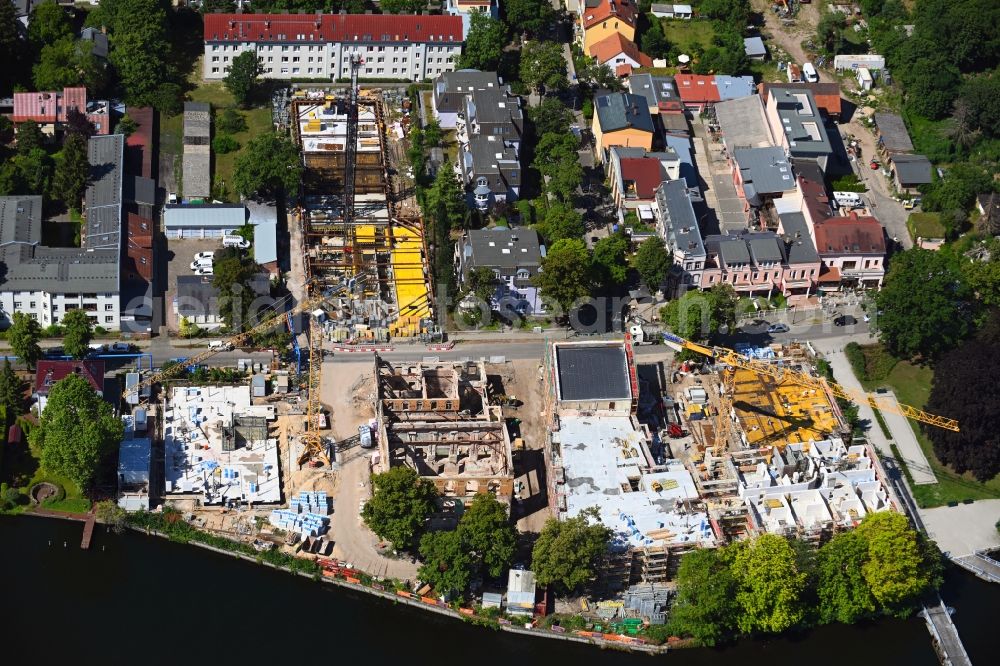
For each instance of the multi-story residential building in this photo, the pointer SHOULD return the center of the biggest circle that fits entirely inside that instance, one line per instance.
(489, 123)
(620, 54)
(802, 269)
(664, 103)
(47, 282)
(51, 110)
(621, 119)
(852, 248)
(827, 95)
(677, 225)
(754, 262)
(797, 125)
(635, 175)
(514, 256)
(761, 175)
(467, 7)
(600, 19)
(292, 46)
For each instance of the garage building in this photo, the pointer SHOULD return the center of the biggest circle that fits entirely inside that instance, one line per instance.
(203, 220)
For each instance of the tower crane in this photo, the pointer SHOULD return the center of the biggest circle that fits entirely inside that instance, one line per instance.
(780, 374)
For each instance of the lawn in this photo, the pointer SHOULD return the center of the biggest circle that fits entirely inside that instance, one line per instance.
(172, 133)
(912, 386)
(687, 34)
(77, 505)
(925, 225)
(22, 471)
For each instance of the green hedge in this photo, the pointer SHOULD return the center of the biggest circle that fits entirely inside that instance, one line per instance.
(871, 363)
(856, 357)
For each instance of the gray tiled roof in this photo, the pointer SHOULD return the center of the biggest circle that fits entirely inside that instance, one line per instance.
(764, 171)
(733, 251)
(680, 224)
(104, 194)
(504, 248)
(451, 88)
(912, 169)
(621, 110)
(764, 248)
(892, 133)
(655, 89)
(798, 243)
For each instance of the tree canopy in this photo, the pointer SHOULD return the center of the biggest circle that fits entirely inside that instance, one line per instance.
(543, 66)
(965, 388)
(49, 23)
(401, 503)
(569, 551)
(72, 171)
(78, 428)
(78, 331)
(652, 262)
(23, 336)
(484, 44)
(12, 390)
(233, 271)
(610, 265)
(560, 221)
(533, 17)
(140, 49)
(447, 565)
(705, 608)
(902, 565)
(242, 77)
(697, 315)
(769, 584)
(566, 273)
(550, 117)
(927, 321)
(269, 164)
(483, 283)
(843, 592)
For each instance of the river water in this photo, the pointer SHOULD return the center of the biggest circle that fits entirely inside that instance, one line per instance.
(137, 599)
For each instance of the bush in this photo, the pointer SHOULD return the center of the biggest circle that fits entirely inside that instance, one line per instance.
(100, 330)
(224, 143)
(52, 331)
(588, 108)
(856, 357)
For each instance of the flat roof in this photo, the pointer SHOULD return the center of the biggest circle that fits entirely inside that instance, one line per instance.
(743, 123)
(227, 216)
(593, 372)
(602, 457)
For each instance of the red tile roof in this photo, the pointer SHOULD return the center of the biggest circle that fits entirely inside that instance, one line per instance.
(372, 28)
(625, 10)
(48, 373)
(697, 88)
(646, 172)
(138, 260)
(850, 235)
(613, 45)
(48, 107)
(139, 144)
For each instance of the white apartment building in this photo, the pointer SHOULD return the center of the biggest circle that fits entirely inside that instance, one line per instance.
(47, 282)
(319, 46)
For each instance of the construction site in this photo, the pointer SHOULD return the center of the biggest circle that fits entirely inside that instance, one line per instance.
(359, 224)
(437, 419)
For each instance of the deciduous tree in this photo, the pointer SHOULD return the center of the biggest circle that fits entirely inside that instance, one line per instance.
(49, 23)
(488, 535)
(550, 117)
(843, 591)
(483, 283)
(72, 172)
(23, 336)
(566, 274)
(902, 566)
(484, 44)
(561, 221)
(927, 321)
(447, 564)
(78, 428)
(610, 265)
(653, 262)
(543, 66)
(769, 584)
(533, 17)
(268, 165)
(400, 504)
(78, 332)
(242, 77)
(569, 551)
(705, 608)
(12, 390)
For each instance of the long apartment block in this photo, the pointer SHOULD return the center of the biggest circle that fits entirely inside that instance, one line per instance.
(321, 45)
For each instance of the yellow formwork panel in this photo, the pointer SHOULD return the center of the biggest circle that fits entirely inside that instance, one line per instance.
(364, 234)
(411, 288)
(781, 414)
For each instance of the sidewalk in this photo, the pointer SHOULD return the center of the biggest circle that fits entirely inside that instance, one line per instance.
(906, 442)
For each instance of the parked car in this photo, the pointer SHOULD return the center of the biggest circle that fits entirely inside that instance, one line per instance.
(204, 270)
(235, 241)
(845, 320)
(205, 256)
(120, 347)
(778, 328)
(195, 265)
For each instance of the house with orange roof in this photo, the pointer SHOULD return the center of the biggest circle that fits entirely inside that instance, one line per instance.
(616, 51)
(599, 19)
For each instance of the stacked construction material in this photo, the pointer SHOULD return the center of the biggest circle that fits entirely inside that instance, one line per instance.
(306, 524)
(311, 502)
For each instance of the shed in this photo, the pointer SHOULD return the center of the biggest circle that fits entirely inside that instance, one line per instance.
(865, 80)
(521, 592)
(258, 386)
(492, 600)
(281, 384)
(754, 48)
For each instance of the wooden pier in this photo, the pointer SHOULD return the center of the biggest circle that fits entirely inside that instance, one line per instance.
(88, 529)
(946, 640)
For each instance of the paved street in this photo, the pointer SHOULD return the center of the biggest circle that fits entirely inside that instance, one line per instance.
(887, 210)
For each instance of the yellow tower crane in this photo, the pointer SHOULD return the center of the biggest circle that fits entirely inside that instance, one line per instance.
(311, 438)
(780, 374)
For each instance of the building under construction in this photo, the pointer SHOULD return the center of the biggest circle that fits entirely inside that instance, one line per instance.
(437, 419)
(355, 228)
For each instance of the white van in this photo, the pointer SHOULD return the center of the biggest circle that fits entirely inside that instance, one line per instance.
(218, 344)
(235, 241)
(809, 73)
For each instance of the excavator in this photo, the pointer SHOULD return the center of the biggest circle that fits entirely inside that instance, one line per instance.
(780, 374)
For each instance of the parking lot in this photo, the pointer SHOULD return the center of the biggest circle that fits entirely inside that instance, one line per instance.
(180, 254)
